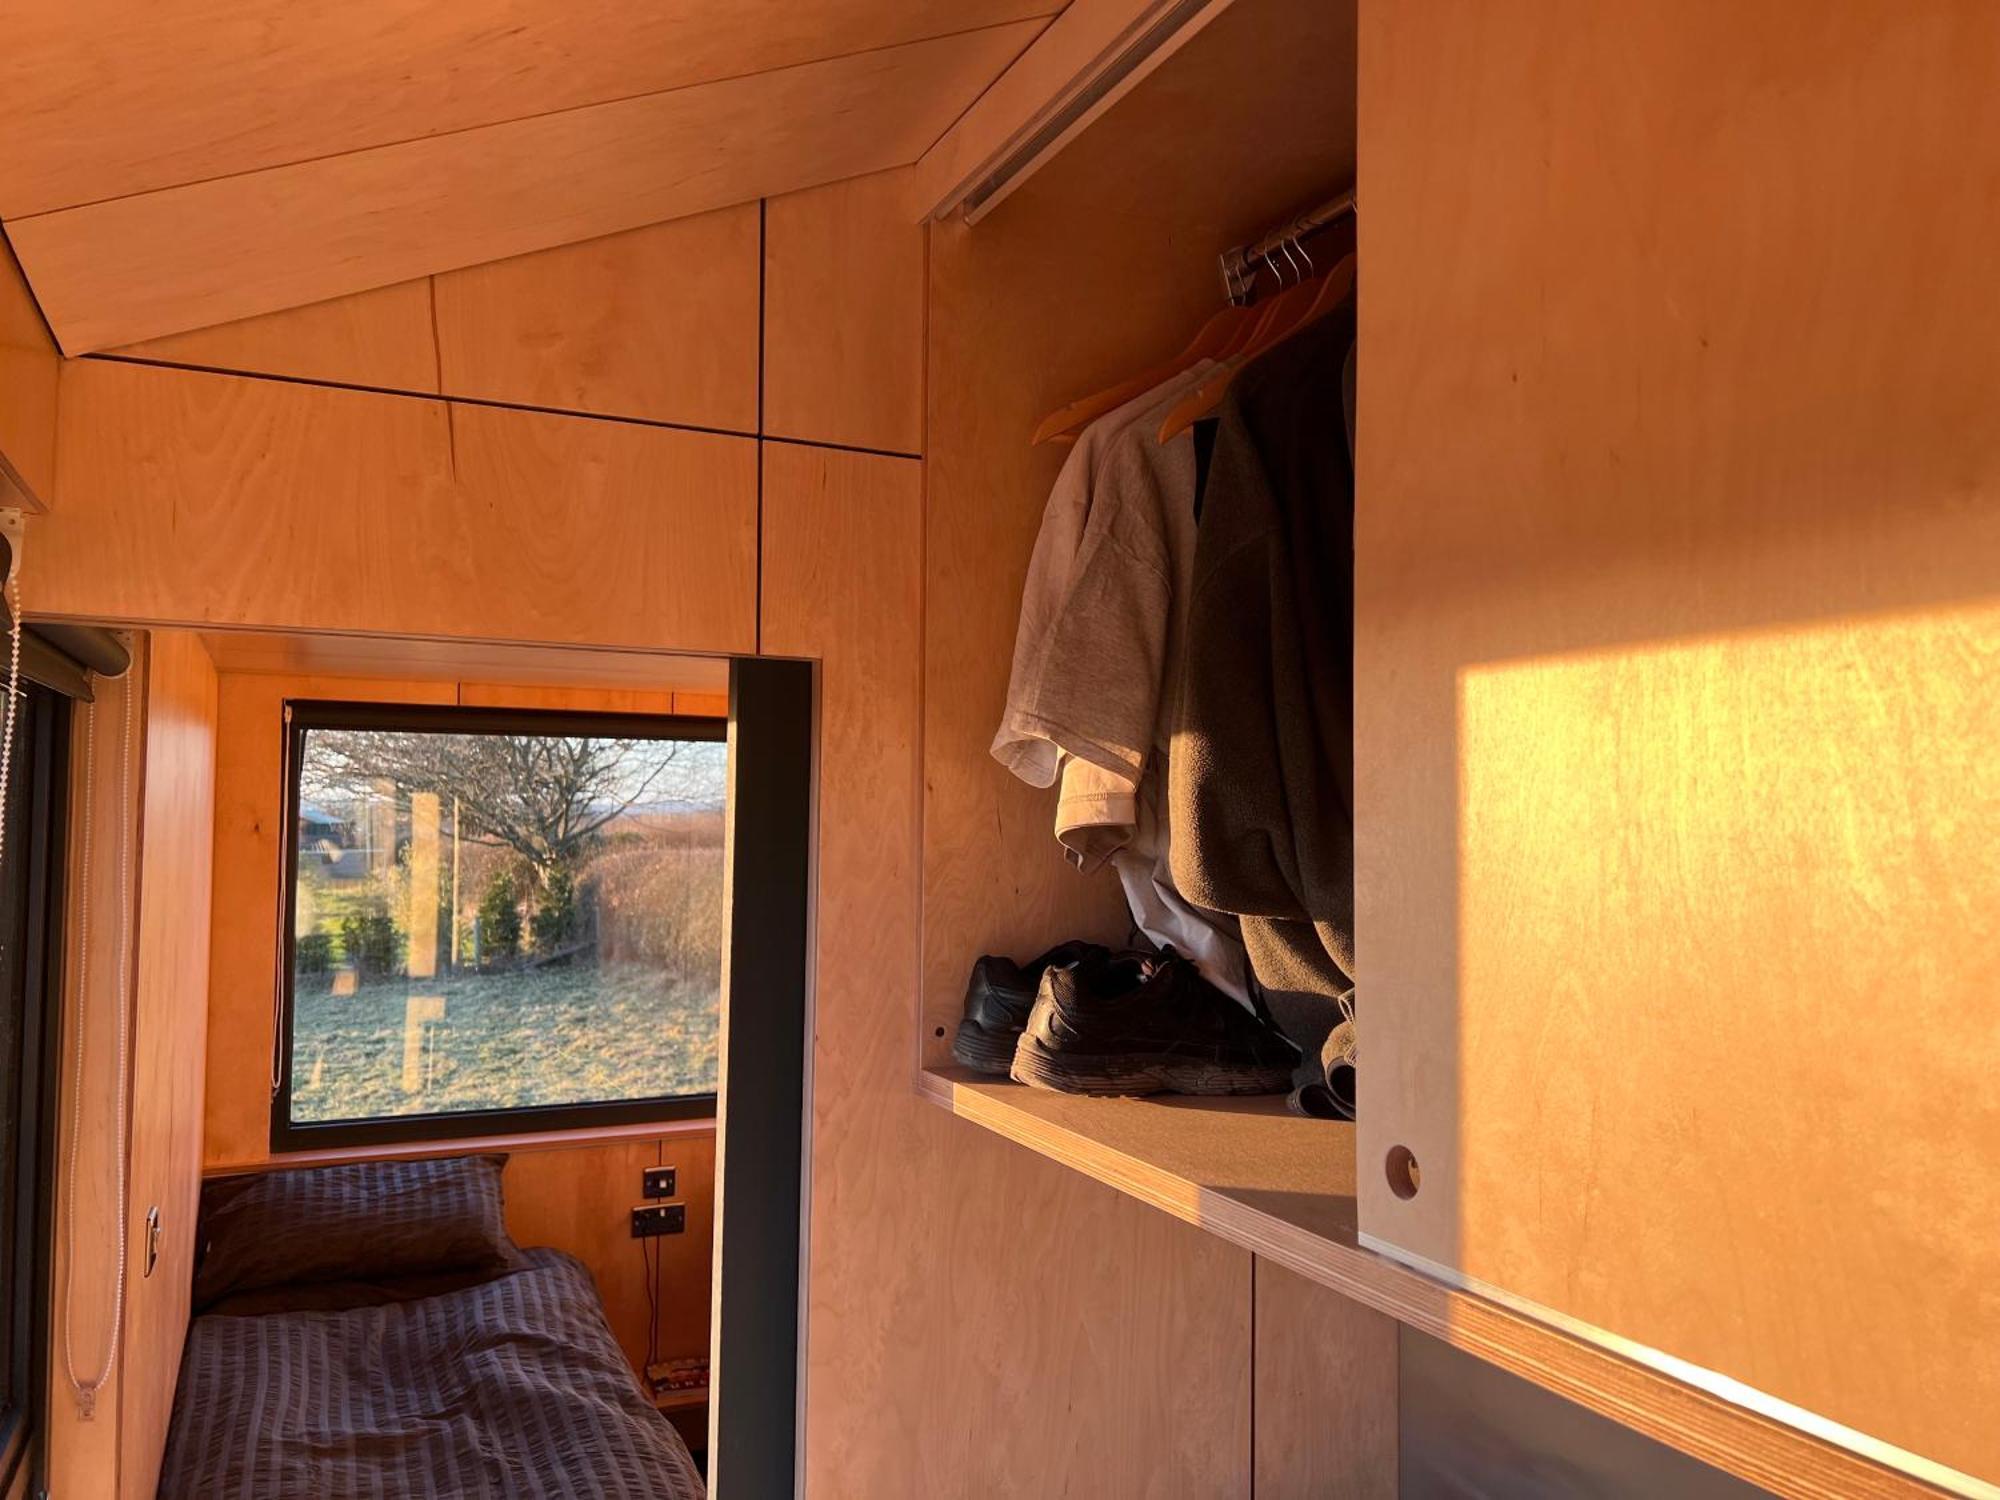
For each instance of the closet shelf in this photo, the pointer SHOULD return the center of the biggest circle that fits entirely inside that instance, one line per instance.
(1283, 1186)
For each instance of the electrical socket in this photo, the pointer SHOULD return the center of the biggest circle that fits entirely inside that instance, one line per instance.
(664, 1218)
(658, 1182)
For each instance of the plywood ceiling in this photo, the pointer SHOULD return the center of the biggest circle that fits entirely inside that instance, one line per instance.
(186, 162)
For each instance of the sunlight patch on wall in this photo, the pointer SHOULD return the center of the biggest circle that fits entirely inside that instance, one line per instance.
(1722, 902)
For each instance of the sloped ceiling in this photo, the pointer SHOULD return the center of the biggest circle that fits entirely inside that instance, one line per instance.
(180, 163)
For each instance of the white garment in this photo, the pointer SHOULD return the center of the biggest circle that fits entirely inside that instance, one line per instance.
(1027, 741)
(1097, 646)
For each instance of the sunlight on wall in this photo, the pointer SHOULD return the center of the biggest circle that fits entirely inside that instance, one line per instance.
(1728, 956)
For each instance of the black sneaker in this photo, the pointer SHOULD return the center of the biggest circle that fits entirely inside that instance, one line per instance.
(1137, 1024)
(998, 997)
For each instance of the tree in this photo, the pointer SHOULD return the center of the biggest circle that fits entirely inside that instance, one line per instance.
(500, 918)
(546, 797)
(553, 926)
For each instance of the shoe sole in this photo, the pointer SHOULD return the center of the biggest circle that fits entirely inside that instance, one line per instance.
(1134, 1077)
(984, 1051)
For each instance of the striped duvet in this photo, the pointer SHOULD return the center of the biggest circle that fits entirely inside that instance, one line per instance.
(510, 1390)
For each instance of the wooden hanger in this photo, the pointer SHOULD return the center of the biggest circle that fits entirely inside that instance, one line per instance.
(1288, 312)
(1219, 337)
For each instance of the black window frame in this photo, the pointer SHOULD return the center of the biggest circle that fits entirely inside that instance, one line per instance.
(40, 775)
(304, 714)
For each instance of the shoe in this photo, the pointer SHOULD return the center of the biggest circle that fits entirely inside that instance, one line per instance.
(998, 997)
(1128, 1024)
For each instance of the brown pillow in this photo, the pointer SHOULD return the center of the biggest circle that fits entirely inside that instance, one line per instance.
(352, 1222)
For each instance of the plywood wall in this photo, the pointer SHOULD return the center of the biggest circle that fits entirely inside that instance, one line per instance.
(844, 336)
(949, 1273)
(658, 324)
(1328, 1420)
(288, 504)
(108, 779)
(142, 951)
(168, 1039)
(1680, 506)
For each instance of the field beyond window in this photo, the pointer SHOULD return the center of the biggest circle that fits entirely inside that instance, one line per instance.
(498, 921)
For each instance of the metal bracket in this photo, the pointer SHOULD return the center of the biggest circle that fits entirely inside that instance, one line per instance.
(1239, 265)
(14, 528)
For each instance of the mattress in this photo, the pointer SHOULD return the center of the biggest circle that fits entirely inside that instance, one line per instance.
(512, 1389)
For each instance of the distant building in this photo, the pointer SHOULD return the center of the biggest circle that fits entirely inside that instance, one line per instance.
(339, 846)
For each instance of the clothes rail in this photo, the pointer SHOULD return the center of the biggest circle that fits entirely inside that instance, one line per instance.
(1239, 266)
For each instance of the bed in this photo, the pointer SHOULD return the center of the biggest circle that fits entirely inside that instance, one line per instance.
(375, 1334)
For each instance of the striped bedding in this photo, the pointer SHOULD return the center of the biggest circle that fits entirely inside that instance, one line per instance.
(510, 1390)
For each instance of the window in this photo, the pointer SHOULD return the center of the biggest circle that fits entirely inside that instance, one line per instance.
(30, 979)
(497, 921)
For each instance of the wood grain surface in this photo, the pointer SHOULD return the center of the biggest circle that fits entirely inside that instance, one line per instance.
(1676, 687)
(215, 499)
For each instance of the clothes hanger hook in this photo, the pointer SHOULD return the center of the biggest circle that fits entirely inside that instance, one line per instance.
(1305, 255)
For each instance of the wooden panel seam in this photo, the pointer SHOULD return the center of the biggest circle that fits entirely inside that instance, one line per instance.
(195, 367)
(748, 433)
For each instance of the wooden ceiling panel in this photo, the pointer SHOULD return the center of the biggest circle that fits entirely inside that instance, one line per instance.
(203, 253)
(29, 367)
(105, 98)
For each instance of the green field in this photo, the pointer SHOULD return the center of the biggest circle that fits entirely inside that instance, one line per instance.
(499, 1041)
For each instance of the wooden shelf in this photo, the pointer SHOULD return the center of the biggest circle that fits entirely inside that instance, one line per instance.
(1283, 1187)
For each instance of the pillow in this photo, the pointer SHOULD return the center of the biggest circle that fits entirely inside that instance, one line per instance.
(354, 1222)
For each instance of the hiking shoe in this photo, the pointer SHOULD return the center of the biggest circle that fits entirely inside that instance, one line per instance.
(998, 997)
(1138, 1024)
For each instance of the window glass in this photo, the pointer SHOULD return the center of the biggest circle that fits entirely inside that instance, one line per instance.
(18, 990)
(503, 913)
(31, 887)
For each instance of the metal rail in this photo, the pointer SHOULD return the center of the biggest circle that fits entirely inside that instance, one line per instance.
(1239, 266)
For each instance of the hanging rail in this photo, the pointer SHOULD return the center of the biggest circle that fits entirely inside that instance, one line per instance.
(1239, 266)
(1101, 70)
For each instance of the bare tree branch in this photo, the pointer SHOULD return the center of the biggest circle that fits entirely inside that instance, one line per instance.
(546, 797)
